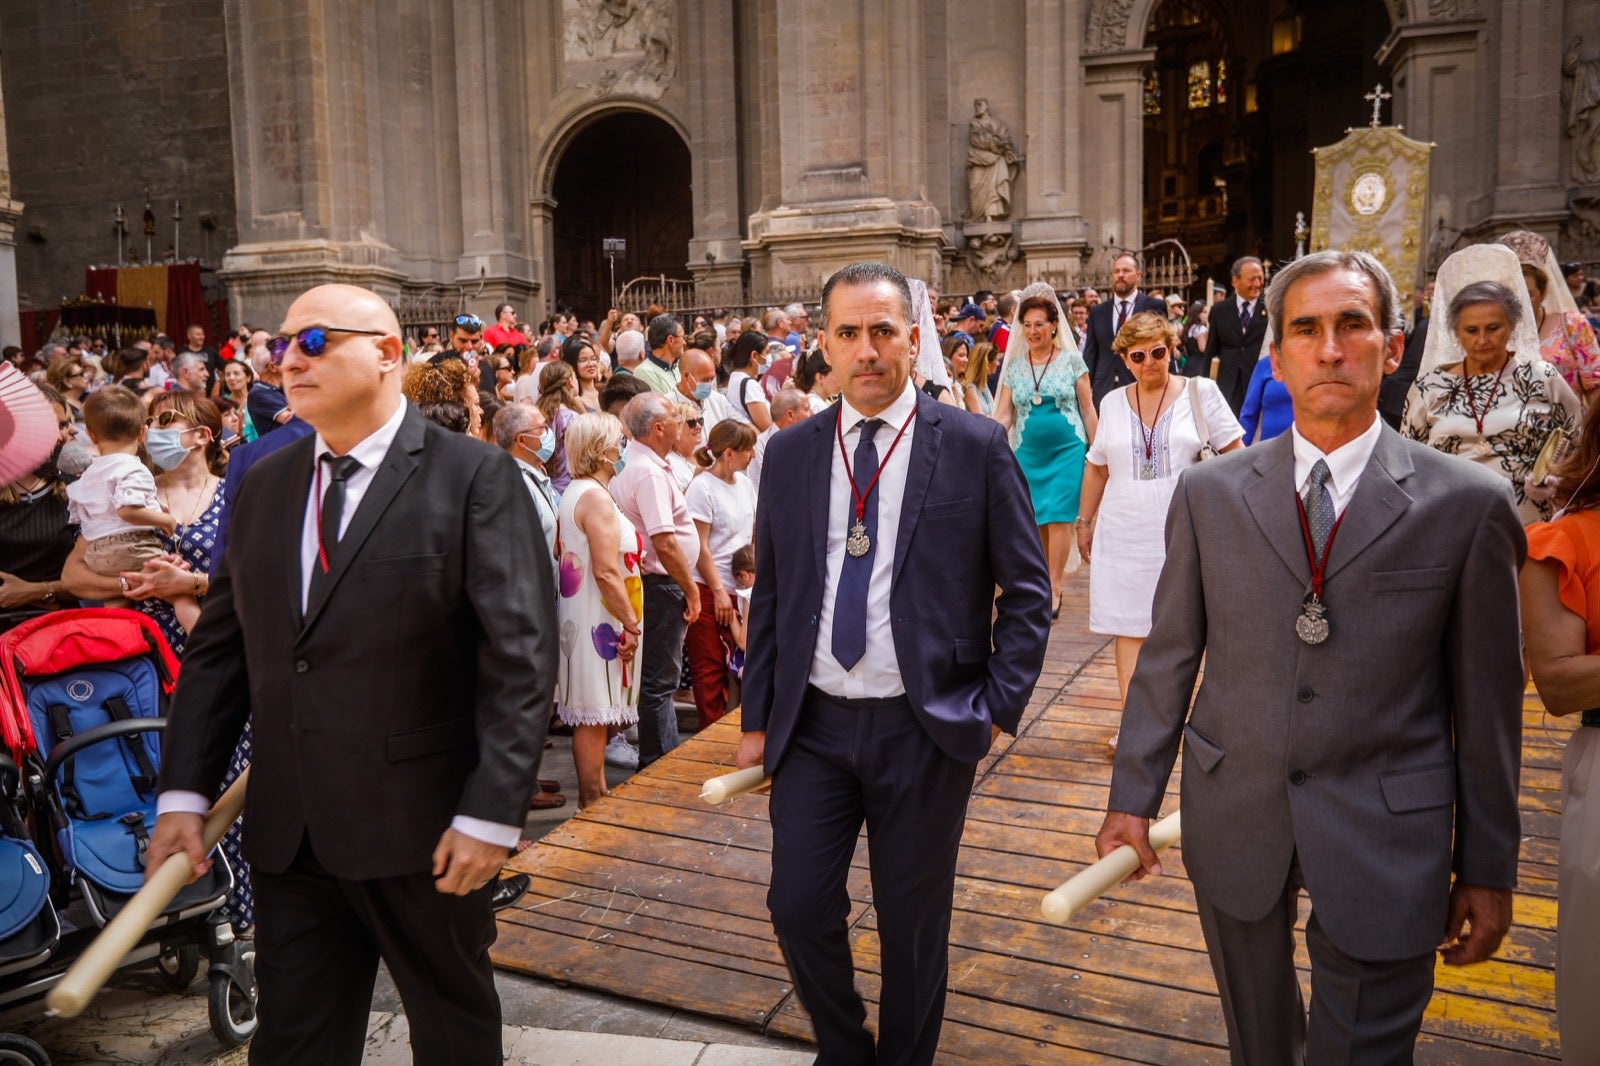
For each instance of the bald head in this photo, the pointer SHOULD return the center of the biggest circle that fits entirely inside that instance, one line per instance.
(694, 369)
(351, 387)
(788, 407)
(353, 306)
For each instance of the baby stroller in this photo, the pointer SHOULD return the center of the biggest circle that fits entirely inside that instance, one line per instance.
(82, 693)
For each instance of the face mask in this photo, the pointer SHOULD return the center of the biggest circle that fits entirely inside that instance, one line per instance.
(702, 391)
(166, 448)
(547, 445)
(621, 461)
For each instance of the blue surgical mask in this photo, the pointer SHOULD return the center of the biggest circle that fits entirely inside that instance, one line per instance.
(166, 447)
(547, 444)
(702, 391)
(620, 462)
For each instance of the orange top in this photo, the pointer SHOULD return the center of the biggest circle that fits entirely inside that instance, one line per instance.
(1573, 543)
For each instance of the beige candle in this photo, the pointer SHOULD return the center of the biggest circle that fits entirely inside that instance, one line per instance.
(719, 790)
(1090, 884)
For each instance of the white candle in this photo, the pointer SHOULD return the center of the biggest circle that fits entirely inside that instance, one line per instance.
(1089, 885)
(719, 790)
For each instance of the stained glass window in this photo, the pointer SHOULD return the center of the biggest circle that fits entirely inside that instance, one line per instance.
(1152, 93)
(1222, 81)
(1199, 85)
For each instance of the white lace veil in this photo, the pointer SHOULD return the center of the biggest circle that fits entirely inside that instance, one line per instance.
(930, 357)
(1480, 262)
(1015, 344)
(1533, 250)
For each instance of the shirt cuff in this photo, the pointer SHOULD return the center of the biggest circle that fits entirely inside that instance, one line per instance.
(177, 801)
(506, 836)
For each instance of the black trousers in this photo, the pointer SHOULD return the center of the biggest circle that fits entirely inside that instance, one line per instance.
(318, 941)
(660, 666)
(849, 763)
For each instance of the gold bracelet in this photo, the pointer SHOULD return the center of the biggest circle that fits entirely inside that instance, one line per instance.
(197, 584)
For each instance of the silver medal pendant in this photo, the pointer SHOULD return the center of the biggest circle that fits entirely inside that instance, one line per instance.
(1312, 624)
(858, 543)
(1147, 472)
(1483, 449)
(1037, 399)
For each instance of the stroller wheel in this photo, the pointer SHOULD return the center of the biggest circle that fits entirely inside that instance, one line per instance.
(232, 1009)
(178, 966)
(20, 1051)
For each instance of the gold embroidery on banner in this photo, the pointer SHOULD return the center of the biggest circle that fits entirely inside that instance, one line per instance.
(1371, 195)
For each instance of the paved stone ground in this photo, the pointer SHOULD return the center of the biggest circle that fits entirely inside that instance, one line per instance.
(136, 1022)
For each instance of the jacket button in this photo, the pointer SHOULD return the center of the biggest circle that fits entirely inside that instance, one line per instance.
(1306, 694)
(1297, 777)
(301, 666)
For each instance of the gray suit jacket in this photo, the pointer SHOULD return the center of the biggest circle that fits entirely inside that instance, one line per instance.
(1386, 756)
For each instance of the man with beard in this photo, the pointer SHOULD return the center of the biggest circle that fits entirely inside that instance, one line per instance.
(1106, 370)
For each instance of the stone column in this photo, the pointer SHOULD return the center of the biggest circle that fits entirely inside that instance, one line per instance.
(1112, 147)
(10, 215)
(716, 258)
(1053, 232)
(1528, 186)
(850, 135)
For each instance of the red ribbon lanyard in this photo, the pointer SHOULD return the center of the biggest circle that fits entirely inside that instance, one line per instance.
(861, 496)
(1317, 565)
(1494, 391)
(1150, 437)
(322, 553)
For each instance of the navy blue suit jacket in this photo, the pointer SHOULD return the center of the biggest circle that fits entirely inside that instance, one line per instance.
(966, 526)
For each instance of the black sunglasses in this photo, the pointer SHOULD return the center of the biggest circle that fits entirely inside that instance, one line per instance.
(693, 422)
(1158, 353)
(313, 340)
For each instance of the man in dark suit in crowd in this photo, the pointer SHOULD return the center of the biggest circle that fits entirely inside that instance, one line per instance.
(875, 679)
(1314, 756)
(1392, 397)
(397, 661)
(1238, 326)
(1106, 318)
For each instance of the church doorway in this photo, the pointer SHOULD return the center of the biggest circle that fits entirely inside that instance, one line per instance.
(1233, 105)
(624, 175)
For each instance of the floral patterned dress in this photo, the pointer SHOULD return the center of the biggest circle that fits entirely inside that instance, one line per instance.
(594, 686)
(196, 542)
(1519, 407)
(1573, 350)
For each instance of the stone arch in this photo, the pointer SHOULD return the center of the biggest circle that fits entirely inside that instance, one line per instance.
(1119, 25)
(561, 132)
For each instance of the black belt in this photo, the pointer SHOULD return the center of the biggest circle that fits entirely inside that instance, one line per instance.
(1592, 718)
(660, 579)
(867, 704)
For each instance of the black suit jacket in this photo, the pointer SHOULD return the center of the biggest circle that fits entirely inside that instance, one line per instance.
(1106, 371)
(1233, 350)
(1392, 393)
(962, 671)
(416, 688)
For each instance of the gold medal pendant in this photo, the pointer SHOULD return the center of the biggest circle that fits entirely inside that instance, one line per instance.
(858, 543)
(1312, 624)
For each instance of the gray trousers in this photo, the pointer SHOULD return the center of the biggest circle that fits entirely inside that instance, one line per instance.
(1363, 1013)
(660, 666)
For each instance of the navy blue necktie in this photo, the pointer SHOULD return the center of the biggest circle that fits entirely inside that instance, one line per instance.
(1244, 318)
(850, 600)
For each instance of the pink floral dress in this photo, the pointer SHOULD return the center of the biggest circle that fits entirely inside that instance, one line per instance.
(1573, 350)
(593, 686)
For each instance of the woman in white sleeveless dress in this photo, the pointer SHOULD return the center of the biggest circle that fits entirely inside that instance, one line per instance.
(1149, 433)
(600, 606)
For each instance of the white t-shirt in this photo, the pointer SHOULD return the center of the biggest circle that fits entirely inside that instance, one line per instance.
(112, 481)
(742, 384)
(730, 511)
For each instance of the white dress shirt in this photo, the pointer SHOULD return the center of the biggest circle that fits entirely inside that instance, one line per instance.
(877, 675)
(370, 454)
(1345, 463)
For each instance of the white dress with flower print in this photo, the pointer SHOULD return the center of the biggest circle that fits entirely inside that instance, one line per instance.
(593, 686)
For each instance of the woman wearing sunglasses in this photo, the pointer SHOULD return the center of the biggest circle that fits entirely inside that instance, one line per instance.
(1148, 435)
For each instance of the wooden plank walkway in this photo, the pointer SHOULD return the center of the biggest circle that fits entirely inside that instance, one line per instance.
(655, 896)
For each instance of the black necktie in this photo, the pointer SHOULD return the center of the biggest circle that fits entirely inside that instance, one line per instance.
(340, 470)
(1122, 314)
(1244, 317)
(850, 600)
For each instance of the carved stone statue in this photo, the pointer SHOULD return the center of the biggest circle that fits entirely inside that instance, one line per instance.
(992, 165)
(1583, 113)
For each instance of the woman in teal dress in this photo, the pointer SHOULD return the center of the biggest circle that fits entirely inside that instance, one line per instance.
(1045, 404)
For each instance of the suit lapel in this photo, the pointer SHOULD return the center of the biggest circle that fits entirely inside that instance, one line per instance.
(919, 475)
(820, 482)
(1271, 501)
(297, 492)
(1378, 502)
(397, 468)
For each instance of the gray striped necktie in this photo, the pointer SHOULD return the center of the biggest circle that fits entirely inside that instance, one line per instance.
(1319, 506)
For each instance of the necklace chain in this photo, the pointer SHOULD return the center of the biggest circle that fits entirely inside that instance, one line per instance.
(199, 501)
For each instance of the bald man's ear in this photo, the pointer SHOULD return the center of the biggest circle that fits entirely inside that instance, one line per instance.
(391, 353)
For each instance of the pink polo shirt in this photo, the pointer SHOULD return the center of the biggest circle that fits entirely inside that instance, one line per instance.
(648, 494)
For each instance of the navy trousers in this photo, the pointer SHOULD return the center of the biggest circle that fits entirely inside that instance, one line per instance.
(867, 761)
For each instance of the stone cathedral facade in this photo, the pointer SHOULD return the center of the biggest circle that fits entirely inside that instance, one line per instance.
(454, 153)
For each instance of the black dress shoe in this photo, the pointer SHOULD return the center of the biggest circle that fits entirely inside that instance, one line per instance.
(508, 890)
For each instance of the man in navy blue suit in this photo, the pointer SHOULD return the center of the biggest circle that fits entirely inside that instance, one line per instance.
(1106, 319)
(877, 673)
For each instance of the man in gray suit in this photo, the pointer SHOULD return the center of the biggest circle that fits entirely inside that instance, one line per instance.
(1357, 733)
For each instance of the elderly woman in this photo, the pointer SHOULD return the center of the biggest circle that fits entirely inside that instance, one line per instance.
(1488, 397)
(1561, 629)
(1046, 405)
(600, 607)
(70, 378)
(682, 456)
(722, 502)
(1150, 432)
